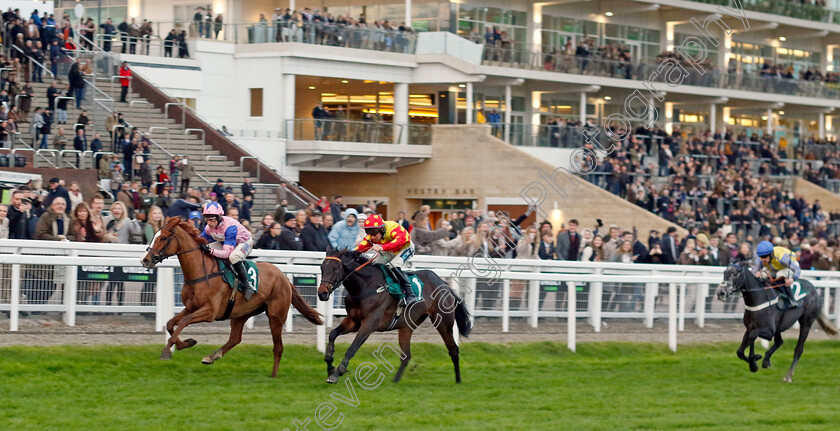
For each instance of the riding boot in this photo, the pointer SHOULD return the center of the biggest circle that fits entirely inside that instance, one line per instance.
(405, 286)
(789, 293)
(242, 275)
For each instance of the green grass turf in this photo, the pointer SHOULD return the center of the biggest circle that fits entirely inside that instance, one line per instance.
(534, 386)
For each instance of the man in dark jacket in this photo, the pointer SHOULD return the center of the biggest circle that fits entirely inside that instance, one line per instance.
(56, 190)
(289, 239)
(670, 250)
(314, 235)
(219, 188)
(124, 30)
(568, 242)
(18, 217)
(335, 209)
(108, 31)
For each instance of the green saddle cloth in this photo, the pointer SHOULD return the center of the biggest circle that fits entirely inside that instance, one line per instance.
(229, 275)
(799, 293)
(394, 285)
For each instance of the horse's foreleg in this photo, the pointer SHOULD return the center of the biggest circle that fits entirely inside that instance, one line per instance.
(744, 343)
(236, 326)
(777, 342)
(346, 325)
(203, 314)
(753, 358)
(170, 328)
(405, 346)
(366, 328)
(804, 329)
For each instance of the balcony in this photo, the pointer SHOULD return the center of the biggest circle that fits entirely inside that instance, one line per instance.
(356, 146)
(784, 8)
(533, 58)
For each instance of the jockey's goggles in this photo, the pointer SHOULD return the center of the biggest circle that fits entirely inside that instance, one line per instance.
(373, 231)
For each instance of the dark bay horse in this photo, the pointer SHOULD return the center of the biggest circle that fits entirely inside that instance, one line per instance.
(205, 295)
(371, 308)
(764, 319)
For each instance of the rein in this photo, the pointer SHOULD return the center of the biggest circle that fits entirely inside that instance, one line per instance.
(334, 286)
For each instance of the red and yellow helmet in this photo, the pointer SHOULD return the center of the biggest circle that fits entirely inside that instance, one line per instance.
(373, 221)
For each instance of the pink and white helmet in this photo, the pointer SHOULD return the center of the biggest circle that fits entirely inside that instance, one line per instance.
(213, 208)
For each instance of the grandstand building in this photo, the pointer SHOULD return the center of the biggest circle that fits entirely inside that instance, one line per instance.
(473, 104)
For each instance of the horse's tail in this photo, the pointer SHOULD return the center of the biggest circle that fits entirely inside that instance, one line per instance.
(303, 308)
(825, 323)
(462, 318)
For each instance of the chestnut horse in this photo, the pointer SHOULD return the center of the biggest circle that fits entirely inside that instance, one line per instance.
(205, 294)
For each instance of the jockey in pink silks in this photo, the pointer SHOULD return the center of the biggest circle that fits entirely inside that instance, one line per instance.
(228, 239)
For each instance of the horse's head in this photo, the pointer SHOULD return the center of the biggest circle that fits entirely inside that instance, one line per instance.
(734, 279)
(163, 245)
(335, 269)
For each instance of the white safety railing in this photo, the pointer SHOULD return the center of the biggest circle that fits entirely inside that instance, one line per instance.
(504, 289)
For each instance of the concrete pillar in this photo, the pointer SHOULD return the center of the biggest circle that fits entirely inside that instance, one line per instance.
(507, 113)
(826, 58)
(400, 113)
(408, 13)
(769, 121)
(713, 118)
(669, 117)
(822, 125)
(289, 105)
(666, 38)
(292, 5)
(724, 50)
(725, 111)
(583, 108)
(469, 103)
(533, 36)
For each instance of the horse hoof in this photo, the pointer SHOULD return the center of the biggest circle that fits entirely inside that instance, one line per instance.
(787, 379)
(332, 379)
(753, 367)
(189, 342)
(341, 371)
(166, 355)
(765, 364)
(757, 357)
(207, 361)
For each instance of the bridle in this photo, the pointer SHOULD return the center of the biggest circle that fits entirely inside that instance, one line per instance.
(159, 256)
(332, 286)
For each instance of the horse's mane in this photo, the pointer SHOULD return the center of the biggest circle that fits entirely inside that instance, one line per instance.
(187, 227)
(351, 254)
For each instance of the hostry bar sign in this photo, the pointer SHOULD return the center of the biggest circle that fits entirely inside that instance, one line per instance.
(438, 191)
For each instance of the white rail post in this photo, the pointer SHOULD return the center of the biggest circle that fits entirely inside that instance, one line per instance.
(289, 326)
(505, 305)
(14, 316)
(672, 316)
(249, 324)
(534, 302)
(702, 294)
(681, 322)
(651, 290)
(472, 284)
(168, 293)
(596, 297)
(70, 289)
(826, 301)
(571, 324)
(160, 318)
(836, 307)
(321, 330)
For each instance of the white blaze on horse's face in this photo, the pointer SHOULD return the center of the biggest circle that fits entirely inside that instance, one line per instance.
(148, 256)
